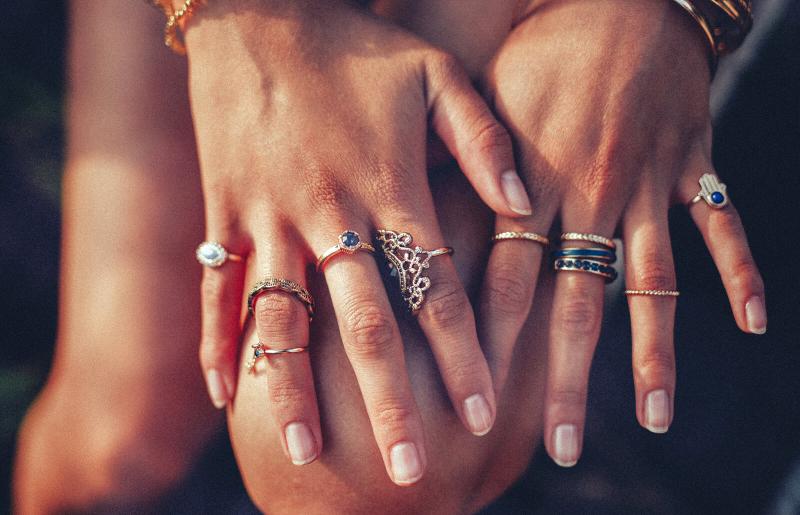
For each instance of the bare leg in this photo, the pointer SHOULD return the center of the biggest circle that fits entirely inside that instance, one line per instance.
(124, 411)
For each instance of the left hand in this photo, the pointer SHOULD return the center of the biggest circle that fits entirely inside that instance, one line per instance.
(607, 101)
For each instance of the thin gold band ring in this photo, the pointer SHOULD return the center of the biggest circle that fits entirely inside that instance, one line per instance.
(514, 235)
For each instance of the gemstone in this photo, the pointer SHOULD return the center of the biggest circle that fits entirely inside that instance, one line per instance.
(717, 197)
(595, 266)
(568, 264)
(350, 239)
(211, 254)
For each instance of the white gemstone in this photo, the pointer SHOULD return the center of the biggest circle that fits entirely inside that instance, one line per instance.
(211, 254)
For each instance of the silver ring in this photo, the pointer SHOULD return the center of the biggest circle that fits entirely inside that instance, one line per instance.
(260, 351)
(214, 255)
(712, 191)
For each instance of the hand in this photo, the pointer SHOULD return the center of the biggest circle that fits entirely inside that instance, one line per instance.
(607, 101)
(311, 121)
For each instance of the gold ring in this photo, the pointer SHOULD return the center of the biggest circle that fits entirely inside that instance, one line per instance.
(409, 263)
(592, 238)
(214, 255)
(654, 293)
(260, 350)
(349, 243)
(284, 285)
(513, 235)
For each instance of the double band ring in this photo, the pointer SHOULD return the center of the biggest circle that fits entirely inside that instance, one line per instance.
(513, 235)
(260, 350)
(349, 243)
(214, 255)
(591, 238)
(598, 253)
(284, 285)
(409, 263)
(712, 191)
(653, 293)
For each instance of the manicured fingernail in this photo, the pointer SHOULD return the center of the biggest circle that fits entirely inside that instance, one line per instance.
(216, 389)
(565, 445)
(478, 414)
(657, 411)
(514, 190)
(756, 315)
(300, 443)
(405, 463)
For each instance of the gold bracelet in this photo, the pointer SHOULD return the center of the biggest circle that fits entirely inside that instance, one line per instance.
(176, 19)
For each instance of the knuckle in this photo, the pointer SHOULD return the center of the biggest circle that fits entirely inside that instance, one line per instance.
(745, 276)
(573, 397)
(579, 316)
(656, 363)
(392, 184)
(213, 353)
(656, 274)
(392, 414)
(286, 393)
(277, 312)
(214, 290)
(444, 66)
(490, 137)
(372, 330)
(447, 305)
(324, 190)
(507, 293)
(463, 370)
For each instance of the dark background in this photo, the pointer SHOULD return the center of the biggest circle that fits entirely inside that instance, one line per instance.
(736, 439)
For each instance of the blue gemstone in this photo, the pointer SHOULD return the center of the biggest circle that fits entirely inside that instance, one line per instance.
(717, 197)
(350, 239)
(595, 266)
(586, 266)
(578, 263)
(568, 264)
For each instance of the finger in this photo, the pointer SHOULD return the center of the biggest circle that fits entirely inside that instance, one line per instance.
(479, 143)
(649, 266)
(446, 317)
(282, 320)
(221, 301)
(372, 342)
(574, 330)
(508, 290)
(726, 240)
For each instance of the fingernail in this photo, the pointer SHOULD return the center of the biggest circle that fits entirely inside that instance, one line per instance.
(565, 445)
(656, 411)
(405, 463)
(514, 191)
(756, 315)
(300, 443)
(216, 389)
(478, 414)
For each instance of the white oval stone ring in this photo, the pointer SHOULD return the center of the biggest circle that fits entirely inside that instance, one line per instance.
(214, 255)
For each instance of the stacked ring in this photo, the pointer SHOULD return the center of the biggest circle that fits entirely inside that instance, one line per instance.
(349, 243)
(260, 350)
(591, 238)
(285, 285)
(601, 254)
(654, 293)
(609, 273)
(514, 235)
(592, 260)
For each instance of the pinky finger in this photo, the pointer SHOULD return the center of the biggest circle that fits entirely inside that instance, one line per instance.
(221, 300)
(725, 238)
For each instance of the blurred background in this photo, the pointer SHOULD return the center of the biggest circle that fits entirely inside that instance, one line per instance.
(735, 445)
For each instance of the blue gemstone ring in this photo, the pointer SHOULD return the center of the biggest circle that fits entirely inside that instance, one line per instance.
(600, 254)
(590, 266)
(349, 243)
(712, 191)
(214, 255)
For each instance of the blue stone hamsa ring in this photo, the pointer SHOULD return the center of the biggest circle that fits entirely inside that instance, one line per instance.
(409, 263)
(712, 191)
(214, 255)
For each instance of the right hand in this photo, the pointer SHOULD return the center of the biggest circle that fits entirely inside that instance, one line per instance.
(310, 121)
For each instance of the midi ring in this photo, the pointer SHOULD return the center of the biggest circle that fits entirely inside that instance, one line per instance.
(514, 235)
(214, 255)
(712, 191)
(654, 293)
(409, 263)
(591, 238)
(349, 242)
(260, 350)
(284, 285)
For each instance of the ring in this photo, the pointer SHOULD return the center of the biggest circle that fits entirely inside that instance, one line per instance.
(213, 255)
(601, 254)
(592, 238)
(260, 350)
(530, 236)
(409, 263)
(591, 266)
(349, 242)
(712, 191)
(654, 293)
(284, 285)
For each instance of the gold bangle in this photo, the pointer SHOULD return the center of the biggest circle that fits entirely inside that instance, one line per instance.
(176, 19)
